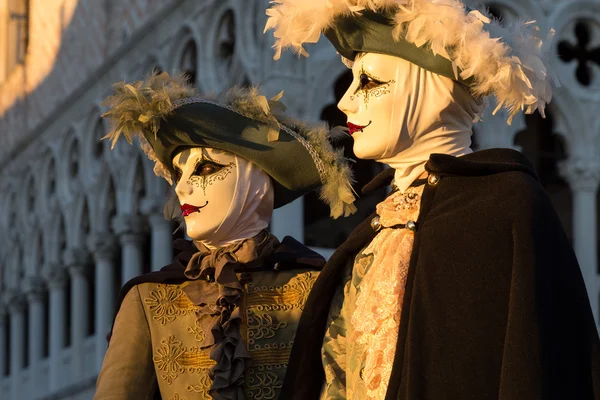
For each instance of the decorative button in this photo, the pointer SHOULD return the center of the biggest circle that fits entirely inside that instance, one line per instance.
(411, 226)
(375, 224)
(433, 179)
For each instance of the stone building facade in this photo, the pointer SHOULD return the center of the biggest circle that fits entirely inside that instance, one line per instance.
(77, 220)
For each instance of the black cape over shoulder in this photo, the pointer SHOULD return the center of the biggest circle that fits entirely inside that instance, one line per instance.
(495, 306)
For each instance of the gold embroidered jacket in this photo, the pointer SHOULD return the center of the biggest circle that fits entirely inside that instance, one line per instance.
(156, 338)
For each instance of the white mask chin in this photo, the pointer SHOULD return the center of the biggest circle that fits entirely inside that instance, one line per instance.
(399, 114)
(224, 198)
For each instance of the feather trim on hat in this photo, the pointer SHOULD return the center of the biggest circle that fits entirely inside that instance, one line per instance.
(140, 106)
(336, 174)
(509, 62)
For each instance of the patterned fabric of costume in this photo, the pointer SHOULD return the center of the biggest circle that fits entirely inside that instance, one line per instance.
(229, 340)
(362, 329)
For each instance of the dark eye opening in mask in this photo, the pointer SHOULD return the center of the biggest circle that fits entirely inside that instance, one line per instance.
(367, 81)
(178, 174)
(207, 167)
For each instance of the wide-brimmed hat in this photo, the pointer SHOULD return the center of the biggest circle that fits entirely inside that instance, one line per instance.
(442, 36)
(168, 116)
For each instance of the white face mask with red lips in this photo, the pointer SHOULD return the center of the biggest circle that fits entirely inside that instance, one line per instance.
(399, 113)
(224, 198)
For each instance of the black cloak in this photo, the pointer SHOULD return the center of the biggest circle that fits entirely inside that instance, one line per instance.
(495, 305)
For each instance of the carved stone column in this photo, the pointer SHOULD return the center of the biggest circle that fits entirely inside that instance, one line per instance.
(162, 237)
(16, 302)
(76, 260)
(56, 279)
(130, 229)
(103, 246)
(583, 176)
(33, 287)
(3, 338)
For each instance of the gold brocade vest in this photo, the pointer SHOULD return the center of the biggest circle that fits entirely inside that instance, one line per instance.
(272, 304)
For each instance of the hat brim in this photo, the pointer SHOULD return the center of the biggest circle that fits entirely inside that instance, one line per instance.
(370, 32)
(286, 160)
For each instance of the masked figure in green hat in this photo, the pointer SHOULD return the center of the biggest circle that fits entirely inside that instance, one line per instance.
(219, 322)
(462, 283)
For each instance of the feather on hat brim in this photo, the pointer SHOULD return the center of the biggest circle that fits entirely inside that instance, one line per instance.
(511, 63)
(168, 116)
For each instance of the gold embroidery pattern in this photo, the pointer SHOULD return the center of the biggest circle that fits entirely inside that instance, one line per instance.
(271, 355)
(167, 302)
(282, 298)
(173, 359)
(202, 387)
(176, 397)
(195, 330)
(262, 385)
(261, 326)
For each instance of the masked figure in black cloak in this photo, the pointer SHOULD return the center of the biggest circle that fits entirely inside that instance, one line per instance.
(462, 284)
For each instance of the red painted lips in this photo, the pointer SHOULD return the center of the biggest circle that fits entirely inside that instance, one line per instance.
(187, 209)
(355, 128)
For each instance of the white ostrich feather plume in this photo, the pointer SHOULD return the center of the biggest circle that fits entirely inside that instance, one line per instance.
(510, 62)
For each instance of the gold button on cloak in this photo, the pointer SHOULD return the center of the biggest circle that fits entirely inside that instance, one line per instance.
(433, 179)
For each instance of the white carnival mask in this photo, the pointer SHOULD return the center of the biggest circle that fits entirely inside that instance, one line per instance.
(399, 114)
(206, 183)
(373, 104)
(224, 198)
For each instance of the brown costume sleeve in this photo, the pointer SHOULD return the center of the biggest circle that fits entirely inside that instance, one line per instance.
(128, 370)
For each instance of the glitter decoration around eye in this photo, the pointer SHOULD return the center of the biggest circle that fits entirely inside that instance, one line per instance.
(204, 181)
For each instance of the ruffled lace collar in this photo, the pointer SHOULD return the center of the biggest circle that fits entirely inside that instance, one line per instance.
(216, 289)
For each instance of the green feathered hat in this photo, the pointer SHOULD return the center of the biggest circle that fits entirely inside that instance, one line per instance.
(169, 116)
(441, 36)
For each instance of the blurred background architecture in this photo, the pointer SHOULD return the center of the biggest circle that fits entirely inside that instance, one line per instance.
(78, 220)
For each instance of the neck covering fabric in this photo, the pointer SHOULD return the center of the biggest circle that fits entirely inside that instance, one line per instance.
(431, 114)
(250, 210)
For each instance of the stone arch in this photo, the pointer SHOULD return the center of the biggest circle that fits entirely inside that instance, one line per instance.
(131, 188)
(36, 254)
(12, 214)
(47, 182)
(93, 148)
(154, 185)
(103, 206)
(185, 54)
(220, 64)
(251, 37)
(78, 225)
(139, 183)
(6, 193)
(69, 166)
(188, 62)
(27, 201)
(565, 17)
(55, 236)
